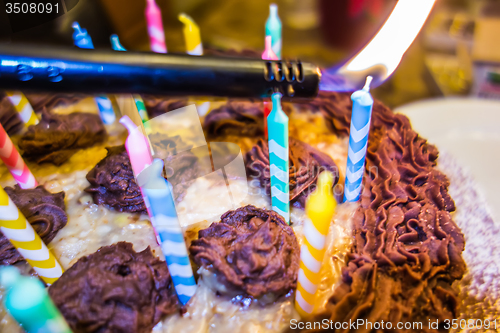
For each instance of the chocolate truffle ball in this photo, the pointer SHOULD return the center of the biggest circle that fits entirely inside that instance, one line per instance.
(115, 290)
(251, 251)
(45, 211)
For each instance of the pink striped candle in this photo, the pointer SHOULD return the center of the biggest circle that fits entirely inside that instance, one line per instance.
(14, 162)
(155, 27)
(137, 146)
(139, 153)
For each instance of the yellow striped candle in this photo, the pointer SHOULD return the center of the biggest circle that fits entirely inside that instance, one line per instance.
(20, 233)
(23, 107)
(320, 208)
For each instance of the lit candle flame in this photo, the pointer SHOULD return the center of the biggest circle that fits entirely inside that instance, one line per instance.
(382, 55)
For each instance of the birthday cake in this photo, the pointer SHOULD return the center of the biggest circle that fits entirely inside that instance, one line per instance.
(394, 256)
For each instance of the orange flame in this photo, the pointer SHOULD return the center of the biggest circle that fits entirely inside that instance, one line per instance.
(382, 55)
(395, 37)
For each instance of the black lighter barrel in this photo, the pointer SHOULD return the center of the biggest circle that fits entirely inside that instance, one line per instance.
(31, 68)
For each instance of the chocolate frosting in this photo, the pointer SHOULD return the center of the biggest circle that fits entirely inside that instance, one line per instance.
(158, 105)
(336, 108)
(45, 211)
(39, 101)
(251, 251)
(306, 163)
(181, 168)
(115, 290)
(407, 249)
(239, 118)
(57, 137)
(112, 183)
(9, 118)
(112, 180)
(242, 118)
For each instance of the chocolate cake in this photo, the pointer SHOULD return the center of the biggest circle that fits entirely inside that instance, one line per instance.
(115, 290)
(112, 183)
(251, 251)
(306, 163)
(407, 249)
(395, 256)
(245, 118)
(57, 137)
(158, 105)
(45, 211)
(40, 101)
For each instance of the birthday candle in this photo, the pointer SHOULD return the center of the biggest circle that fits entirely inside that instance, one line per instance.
(139, 103)
(23, 107)
(268, 54)
(158, 192)
(273, 29)
(358, 141)
(191, 35)
(20, 233)
(160, 209)
(141, 108)
(194, 47)
(115, 43)
(155, 27)
(277, 123)
(14, 162)
(137, 146)
(82, 40)
(320, 208)
(29, 303)
(139, 152)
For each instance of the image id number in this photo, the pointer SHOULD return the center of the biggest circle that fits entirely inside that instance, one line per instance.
(470, 323)
(31, 8)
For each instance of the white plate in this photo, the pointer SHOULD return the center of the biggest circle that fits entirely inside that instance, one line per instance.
(468, 129)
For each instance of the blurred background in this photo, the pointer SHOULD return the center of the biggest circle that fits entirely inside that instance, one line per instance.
(457, 53)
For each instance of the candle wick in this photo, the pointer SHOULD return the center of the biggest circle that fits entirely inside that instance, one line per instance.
(369, 80)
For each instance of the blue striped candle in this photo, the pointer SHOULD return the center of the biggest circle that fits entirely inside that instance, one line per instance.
(158, 191)
(277, 129)
(82, 40)
(273, 29)
(358, 141)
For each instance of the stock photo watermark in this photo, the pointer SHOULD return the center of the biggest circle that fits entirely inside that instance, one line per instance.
(363, 324)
